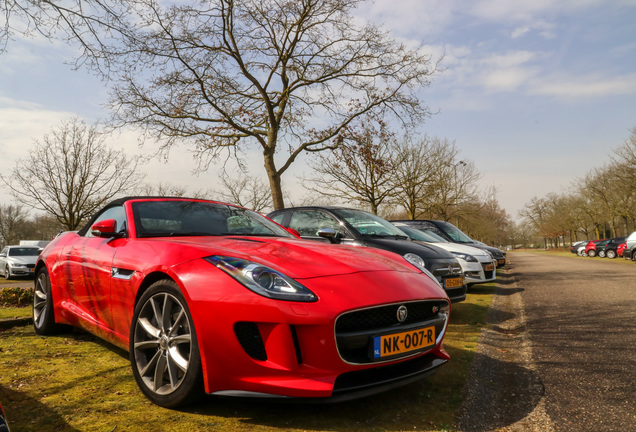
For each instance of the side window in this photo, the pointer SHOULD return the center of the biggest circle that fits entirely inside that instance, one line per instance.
(437, 231)
(118, 213)
(278, 218)
(307, 223)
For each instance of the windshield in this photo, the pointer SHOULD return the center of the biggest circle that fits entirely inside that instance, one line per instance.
(198, 218)
(367, 224)
(24, 251)
(455, 233)
(419, 235)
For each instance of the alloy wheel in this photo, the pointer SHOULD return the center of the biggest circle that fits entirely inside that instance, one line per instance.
(162, 343)
(39, 300)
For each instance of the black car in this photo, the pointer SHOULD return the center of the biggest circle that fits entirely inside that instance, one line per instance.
(611, 246)
(356, 227)
(453, 234)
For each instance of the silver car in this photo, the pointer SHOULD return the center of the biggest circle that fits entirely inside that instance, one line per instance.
(18, 260)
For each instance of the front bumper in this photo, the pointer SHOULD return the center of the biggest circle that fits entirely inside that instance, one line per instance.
(294, 350)
(481, 272)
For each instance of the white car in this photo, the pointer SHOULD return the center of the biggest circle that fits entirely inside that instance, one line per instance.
(18, 260)
(478, 265)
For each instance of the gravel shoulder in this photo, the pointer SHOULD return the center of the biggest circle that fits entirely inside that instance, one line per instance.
(504, 391)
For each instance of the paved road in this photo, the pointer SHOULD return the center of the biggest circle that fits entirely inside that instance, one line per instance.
(581, 320)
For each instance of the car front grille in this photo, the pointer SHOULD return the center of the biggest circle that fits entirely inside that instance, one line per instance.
(488, 274)
(356, 330)
(443, 270)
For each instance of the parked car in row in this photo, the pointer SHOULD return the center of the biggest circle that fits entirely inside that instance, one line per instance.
(478, 265)
(18, 260)
(212, 298)
(578, 245)
(611, 248)
(453, 234)
(596, 247)
(629, 251)
(347, 226)
(620, 249)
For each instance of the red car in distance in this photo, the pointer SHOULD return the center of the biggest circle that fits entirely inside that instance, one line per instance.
(212, 298)
(620, 248)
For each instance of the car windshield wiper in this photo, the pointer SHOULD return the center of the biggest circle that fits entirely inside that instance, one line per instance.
(394, 236)
(205, 234)
(177, 234)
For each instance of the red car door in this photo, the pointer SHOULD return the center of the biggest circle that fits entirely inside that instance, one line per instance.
(89, 262)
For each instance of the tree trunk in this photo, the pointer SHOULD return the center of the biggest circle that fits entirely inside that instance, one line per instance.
(274, 181)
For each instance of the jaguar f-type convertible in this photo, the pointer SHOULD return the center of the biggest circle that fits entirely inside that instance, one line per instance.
(212, 298)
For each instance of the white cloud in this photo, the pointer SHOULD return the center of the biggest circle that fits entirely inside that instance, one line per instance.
(585, 86)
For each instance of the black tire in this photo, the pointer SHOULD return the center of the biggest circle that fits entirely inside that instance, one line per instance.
(168, 343)
(7, 272)
(601, 254)
(43, 314)
(591, 253)
(611, 254)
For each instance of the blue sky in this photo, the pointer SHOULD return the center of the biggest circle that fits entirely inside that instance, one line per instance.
(536, 93)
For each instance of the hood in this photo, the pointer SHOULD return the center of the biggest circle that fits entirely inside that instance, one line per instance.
(424, 250)
(299, 259)
(23, 260)
(463, 248)
(497, 253)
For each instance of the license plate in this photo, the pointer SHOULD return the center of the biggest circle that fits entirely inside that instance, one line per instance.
(501, 262)
(453, 282)
(31, 270)
(490, 267)
(398, 343)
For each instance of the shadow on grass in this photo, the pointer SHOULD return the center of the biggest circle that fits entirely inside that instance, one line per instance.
(27, 414)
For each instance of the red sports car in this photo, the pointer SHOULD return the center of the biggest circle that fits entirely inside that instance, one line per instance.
(210, 297)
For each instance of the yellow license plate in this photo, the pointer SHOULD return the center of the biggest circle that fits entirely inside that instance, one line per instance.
(501, 262)
(398, 343)
(453, 282)
(490, 267)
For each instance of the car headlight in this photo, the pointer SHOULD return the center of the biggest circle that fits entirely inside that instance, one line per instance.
(465, 257)
(263, 280)
(18, 265)
(418, 262)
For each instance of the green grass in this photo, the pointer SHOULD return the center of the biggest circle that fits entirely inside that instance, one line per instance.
(14, 312)
(76, 382)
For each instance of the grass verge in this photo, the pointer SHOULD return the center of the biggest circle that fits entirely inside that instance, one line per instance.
(76, 382)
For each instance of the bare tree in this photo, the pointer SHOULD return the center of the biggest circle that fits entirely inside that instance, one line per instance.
(286, 76)
(12, 221)
(360, 170)
(417, 167)
(245, 190)
(455, 186)
(169, 190)
(84, 23)
(71, 174)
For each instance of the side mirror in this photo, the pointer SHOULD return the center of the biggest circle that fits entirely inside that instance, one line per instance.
(328, 233)
(106, 229)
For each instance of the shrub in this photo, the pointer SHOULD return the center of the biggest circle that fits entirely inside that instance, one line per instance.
(16, 297)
